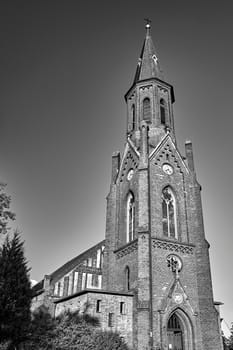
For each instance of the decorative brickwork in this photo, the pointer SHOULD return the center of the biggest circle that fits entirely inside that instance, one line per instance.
(131, 247)
(131, 162)
(168, 154)
(173, 247)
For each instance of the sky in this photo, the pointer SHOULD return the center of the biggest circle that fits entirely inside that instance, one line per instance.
(65, 67)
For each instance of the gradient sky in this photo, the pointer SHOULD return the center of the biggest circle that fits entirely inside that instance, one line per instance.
(65, 67)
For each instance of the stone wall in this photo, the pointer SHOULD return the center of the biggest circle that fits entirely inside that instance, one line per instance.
(114, 311)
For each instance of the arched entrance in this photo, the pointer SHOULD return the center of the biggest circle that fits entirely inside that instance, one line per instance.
(175, 333)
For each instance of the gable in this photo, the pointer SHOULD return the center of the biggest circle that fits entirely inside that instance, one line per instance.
(166, 152)
(129, 161)
(83, 271)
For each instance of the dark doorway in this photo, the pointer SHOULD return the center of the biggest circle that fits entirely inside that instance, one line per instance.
(174, 333)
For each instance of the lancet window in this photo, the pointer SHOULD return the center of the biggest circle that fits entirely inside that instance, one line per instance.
(169, 213)
(127, 278)
(146, 105)
(133, 117)
(130, 229)
(163, 111)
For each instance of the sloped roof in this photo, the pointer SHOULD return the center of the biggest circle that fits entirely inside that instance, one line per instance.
(148, 63)
(68, 266)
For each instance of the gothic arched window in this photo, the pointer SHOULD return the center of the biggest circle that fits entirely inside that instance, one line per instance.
(130, 217)
(174, 323)
(163, 111)
(169, 213)
(146, 109)
(133, 117)
(127, 278)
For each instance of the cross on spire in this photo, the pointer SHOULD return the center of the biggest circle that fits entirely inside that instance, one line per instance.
(148, 25)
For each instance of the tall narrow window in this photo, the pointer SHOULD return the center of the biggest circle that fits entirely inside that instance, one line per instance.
(84, 280)
(98, 258)
(89, 262)
(122, 308)
(66, 286)
(146, 112)
(98, 306)
(133, 117)
(75, 286)
(95, 281)
(110, 319)
(130, 229)
(163, 111)
(169, 212)
(59, 289)
(127, 278)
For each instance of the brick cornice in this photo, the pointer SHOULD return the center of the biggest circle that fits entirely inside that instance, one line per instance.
(126, 249)
(185, 248)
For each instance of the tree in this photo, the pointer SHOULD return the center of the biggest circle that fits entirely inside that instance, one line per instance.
(71, 331)
(15, 292)
(5, 212)
(230, 339)
(75, 331)
(225, 342)
(109, 341)
(42, 330)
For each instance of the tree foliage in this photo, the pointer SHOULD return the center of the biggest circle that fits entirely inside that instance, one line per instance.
(42, 330)
(75, 331)
(109, 341)
(71, 331)
(229, 341)
(5, 213)
(15, 292)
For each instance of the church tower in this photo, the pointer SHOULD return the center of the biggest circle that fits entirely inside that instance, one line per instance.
(156, 248)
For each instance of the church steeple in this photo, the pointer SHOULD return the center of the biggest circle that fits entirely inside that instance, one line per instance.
(150, 98)
(155, 242)
(148, 63)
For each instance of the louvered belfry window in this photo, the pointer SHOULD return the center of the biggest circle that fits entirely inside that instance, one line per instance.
(163, 111)
(146, 109)
(133, 117)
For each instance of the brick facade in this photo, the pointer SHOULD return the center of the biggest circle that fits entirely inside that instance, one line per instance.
(154, 261)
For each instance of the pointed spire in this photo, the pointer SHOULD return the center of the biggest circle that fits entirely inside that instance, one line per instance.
(148, 64)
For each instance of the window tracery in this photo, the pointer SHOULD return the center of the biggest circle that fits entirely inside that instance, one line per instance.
(169, 213)
(130, 230)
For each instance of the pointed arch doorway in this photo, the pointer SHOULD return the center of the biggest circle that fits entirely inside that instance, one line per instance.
(175, 333)
(180, 332)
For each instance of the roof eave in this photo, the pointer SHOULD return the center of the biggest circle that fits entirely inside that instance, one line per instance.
(153, 79)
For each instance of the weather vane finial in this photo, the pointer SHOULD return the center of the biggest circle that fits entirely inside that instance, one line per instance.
(148, 25)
